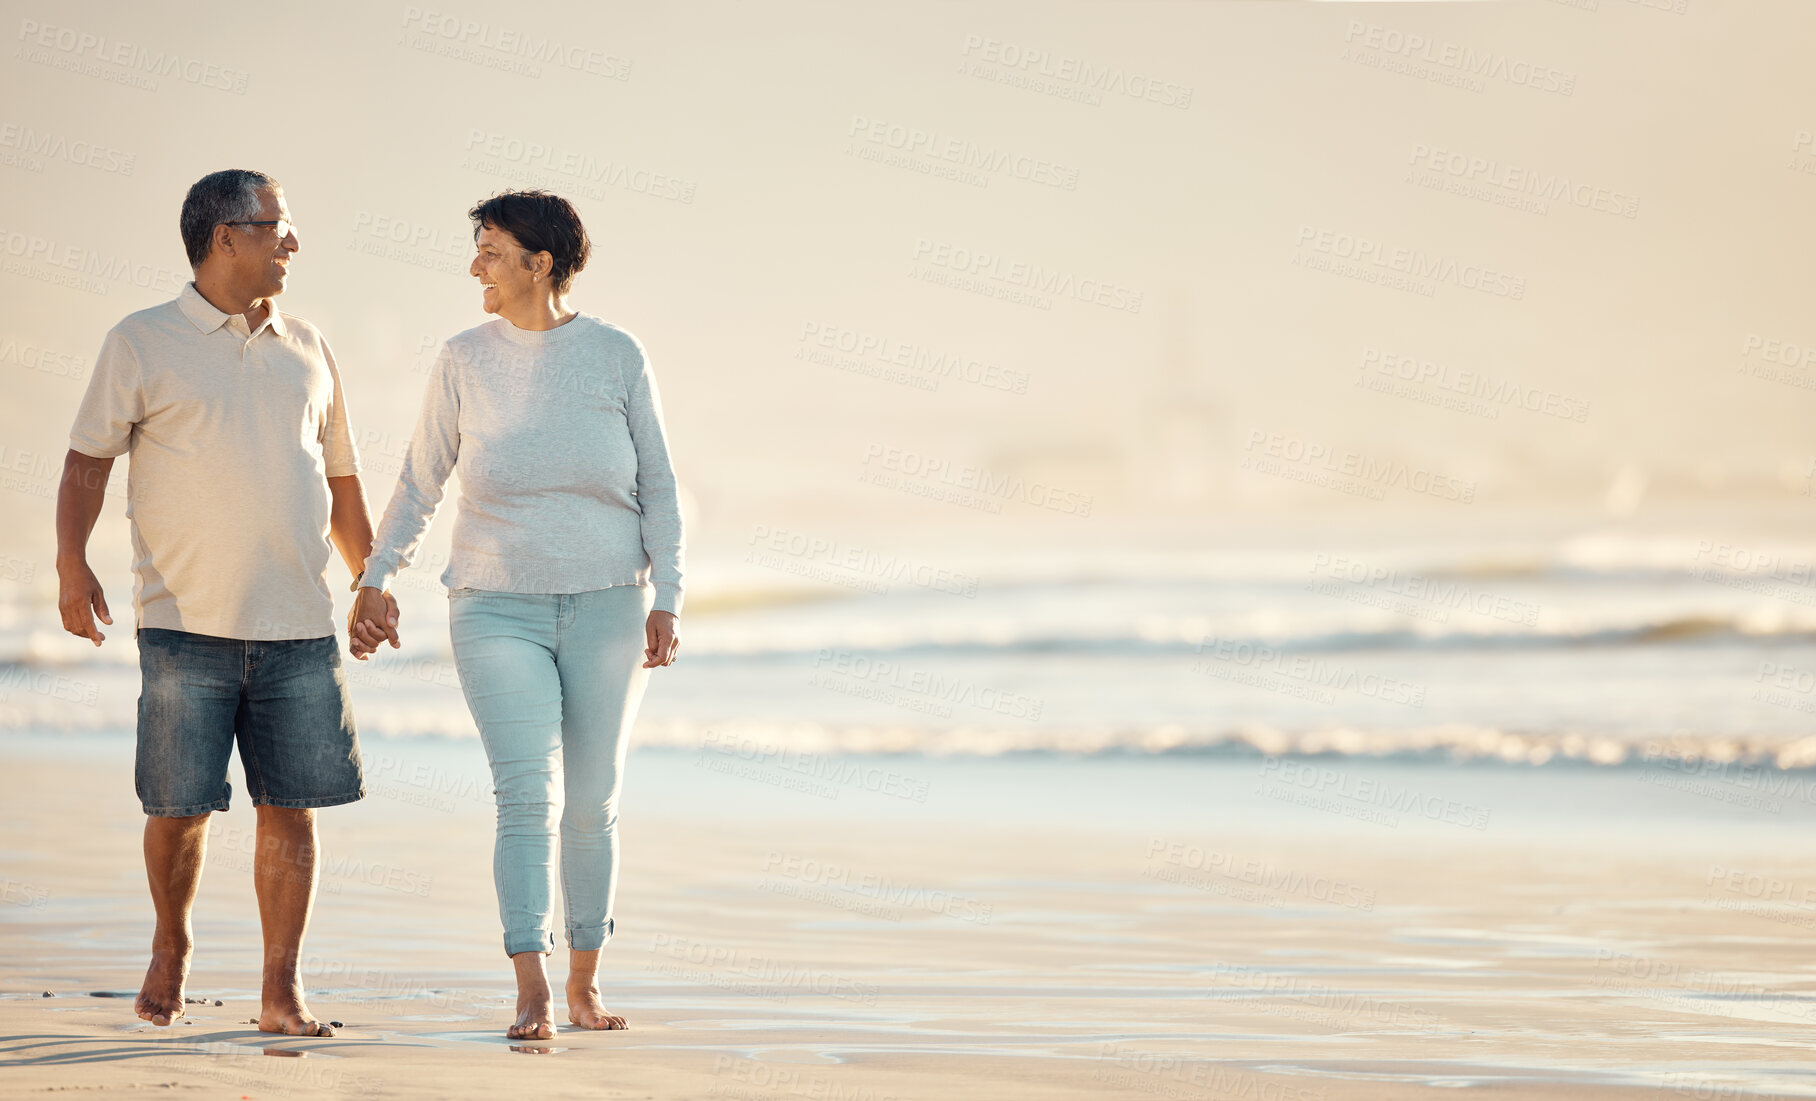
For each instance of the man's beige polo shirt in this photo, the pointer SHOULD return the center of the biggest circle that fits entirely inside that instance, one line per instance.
(233, 435)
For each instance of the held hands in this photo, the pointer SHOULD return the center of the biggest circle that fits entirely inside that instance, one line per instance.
(372, 620)
(659, 632)
(79, 600)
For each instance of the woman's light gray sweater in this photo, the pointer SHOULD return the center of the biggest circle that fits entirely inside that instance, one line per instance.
(565, 478)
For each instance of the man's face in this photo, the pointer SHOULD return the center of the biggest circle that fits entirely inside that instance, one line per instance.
(261, 260)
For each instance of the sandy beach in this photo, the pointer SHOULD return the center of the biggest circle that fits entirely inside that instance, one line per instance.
(906, 926)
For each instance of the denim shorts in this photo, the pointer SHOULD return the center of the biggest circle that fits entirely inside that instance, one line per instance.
(285, 702)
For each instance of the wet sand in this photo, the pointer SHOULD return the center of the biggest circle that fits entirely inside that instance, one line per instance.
(917, 927)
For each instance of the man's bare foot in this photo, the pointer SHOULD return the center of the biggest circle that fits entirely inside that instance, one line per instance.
(586, 1010)
(160, 1000)
(535, 1017)
(285, 1012)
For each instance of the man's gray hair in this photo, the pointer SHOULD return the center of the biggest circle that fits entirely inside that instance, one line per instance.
(230, 195)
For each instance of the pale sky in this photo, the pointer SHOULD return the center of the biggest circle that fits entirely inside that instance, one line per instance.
(754, 173)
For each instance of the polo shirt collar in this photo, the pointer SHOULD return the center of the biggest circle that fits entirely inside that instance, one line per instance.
(203, 315)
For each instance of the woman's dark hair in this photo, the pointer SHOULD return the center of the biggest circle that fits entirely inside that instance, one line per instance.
(540, 222)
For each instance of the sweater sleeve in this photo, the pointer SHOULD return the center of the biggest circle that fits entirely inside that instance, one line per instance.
(658, 494)
(434, 447)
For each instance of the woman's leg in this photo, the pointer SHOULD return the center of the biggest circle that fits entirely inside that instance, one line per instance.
(503, 649)
(600, 658)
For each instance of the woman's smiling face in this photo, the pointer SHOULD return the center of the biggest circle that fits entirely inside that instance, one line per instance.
(498, 264)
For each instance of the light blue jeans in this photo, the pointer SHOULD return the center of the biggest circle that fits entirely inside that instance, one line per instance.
(553, 681)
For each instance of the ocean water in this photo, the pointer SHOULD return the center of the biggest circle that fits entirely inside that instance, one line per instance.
(1588, 649)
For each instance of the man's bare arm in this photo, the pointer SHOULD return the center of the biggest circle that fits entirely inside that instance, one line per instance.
(349, 524)
(79, 501)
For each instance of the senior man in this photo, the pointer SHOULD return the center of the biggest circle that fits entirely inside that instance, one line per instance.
(243, 471)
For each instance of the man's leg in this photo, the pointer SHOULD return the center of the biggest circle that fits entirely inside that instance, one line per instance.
(190, 690)
(301, 752)
(284, 876)
(173, 864)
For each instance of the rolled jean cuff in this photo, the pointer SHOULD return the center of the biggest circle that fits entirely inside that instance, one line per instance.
(534, 941)
(589, 938)
(185, 812)
(310, 804)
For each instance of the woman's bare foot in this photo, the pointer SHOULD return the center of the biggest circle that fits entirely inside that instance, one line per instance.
(160, 1000)
(535, 1005)
(285, 1012)
(584, 1007)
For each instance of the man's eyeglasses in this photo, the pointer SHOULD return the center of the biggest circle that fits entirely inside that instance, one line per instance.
(283, 226)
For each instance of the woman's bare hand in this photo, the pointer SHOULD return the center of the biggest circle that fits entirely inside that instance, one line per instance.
(660, 634)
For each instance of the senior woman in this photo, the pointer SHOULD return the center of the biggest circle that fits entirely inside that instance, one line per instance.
(564, 584)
